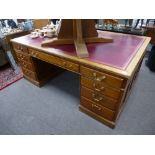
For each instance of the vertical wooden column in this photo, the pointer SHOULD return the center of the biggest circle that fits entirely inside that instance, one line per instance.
(79, 42)
(77, 32)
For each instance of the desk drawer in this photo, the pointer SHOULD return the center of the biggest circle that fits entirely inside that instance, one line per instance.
(101, 88)
(98, 109)
(55, 60)
(98, 98)
(70, 66)
(20, 48)
(29, 73)
(22, 57)
(26, 65)
(110, 80)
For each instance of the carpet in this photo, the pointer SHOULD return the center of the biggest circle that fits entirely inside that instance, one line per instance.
(8, 76)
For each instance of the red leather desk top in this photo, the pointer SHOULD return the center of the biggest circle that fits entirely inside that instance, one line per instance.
(117, 54)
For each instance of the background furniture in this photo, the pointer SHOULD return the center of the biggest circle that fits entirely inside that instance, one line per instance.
(3, 58)
(150, 32)
(127, 26)
(77, 32)
(40, 23)
(106, 77)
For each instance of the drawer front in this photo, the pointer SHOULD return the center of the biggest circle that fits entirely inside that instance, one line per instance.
(23, 57)
(20, 48)
(98, 98)
(101, 88)
(98, 109)
(110, 80)
(70, 66)
(29, 73)
(55, 60)
(26, 65)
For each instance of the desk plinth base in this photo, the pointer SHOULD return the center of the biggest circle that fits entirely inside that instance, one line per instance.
(43, 81)
(97, 117)
(39, 83)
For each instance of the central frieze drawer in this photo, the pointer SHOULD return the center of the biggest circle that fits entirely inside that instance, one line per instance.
(55, 60)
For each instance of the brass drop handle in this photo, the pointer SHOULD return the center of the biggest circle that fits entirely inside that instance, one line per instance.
(94, 74)
(97, 98)
(18, 47)
(98, 89)
(64, 63)
(34, 54)
(99, 79)
(96, 106)
(70, 66)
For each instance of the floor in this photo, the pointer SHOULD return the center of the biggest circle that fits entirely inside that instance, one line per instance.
(53, 109)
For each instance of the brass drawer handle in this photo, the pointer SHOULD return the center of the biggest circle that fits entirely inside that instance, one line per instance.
(64, 63)
(94, 74)
(97, 98)
(99, 79)
(98, 89)
(70, 66)
(34, 54)
(96, 106)
(18, 47)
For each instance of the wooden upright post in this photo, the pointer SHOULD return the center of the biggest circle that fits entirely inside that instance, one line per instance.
(77, 32)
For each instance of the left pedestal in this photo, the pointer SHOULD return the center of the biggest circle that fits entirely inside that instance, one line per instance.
(36, 71)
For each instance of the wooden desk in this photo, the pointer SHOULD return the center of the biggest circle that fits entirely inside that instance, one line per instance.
(106, 77)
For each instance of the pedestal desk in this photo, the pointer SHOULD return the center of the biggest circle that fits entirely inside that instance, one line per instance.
(106, 77)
